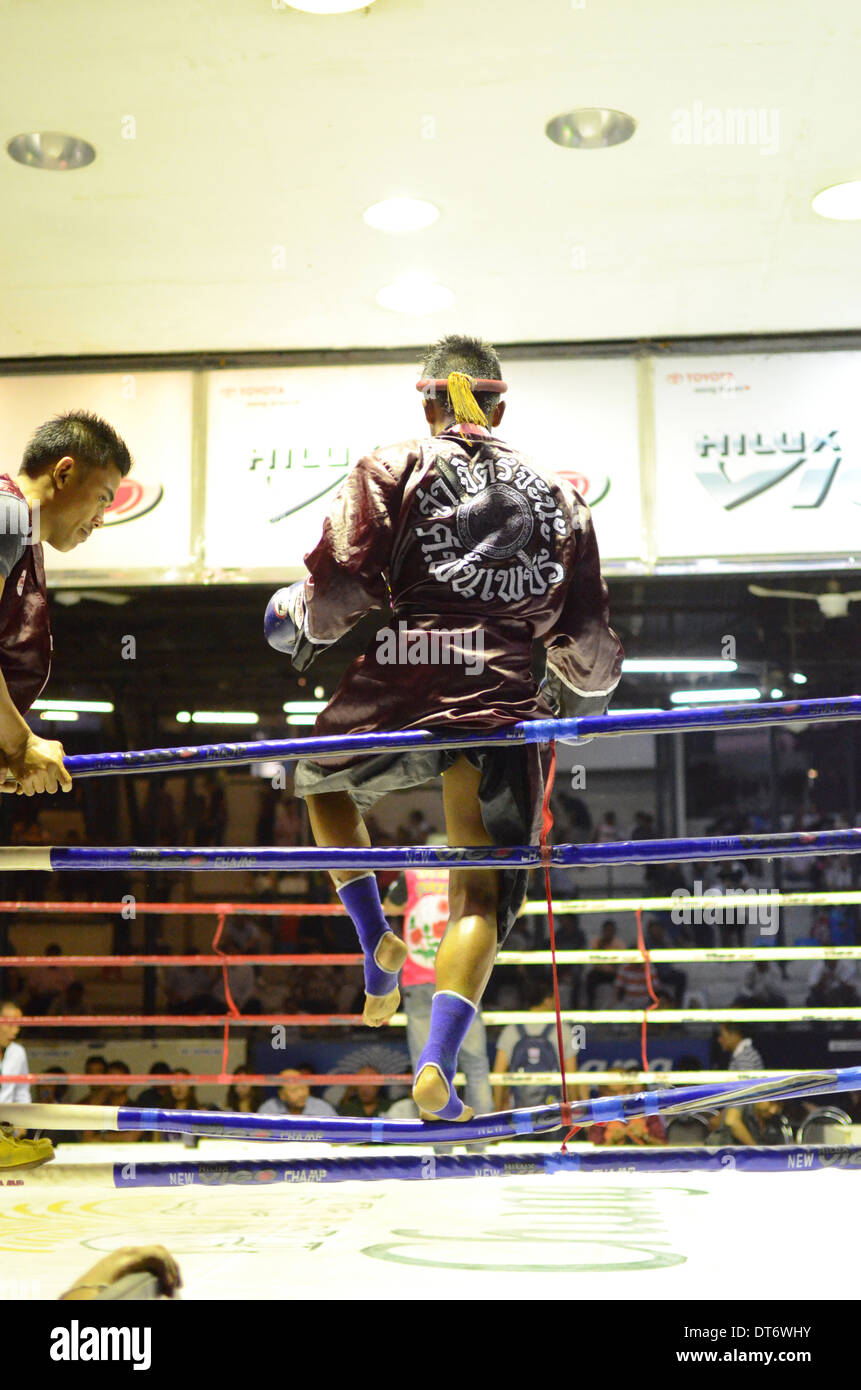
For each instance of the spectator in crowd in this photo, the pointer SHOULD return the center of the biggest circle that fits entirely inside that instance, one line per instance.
(183, 1096)
(419, 897)
(643, 827)
(242, 1097)
(606, 940)
(115, 1095)
(156, 1097)
(189, 988)
(416, 829)
(14, 1061)
(56, 1093)
(743, 1056)
(632, 986)
(607, 829)
(294, 1096)
(642, 1130)
(366, 1100)
(96, 1065)
(832, 989)
(760, 989)
(669, 980)
(751, 1124)
(44, 983)
(70, 1004)
(534, 1047)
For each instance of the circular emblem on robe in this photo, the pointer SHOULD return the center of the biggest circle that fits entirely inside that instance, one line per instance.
(498, 523)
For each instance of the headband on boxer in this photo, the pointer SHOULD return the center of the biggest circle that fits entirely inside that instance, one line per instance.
(459, 389)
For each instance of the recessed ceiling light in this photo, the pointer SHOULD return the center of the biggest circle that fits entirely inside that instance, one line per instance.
(415, 293)
(328, 6)
(841, 202)
(48, 149)
(401, 215)
(590, 128)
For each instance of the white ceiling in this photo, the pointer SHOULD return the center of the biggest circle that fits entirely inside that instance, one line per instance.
(258, 127)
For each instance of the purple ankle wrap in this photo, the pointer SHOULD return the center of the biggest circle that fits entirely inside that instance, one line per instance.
(361, 898)
(451, 1020)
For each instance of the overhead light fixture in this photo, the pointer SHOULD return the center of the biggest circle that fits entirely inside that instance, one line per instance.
(730, 695)
(299, 719)
(676, 665)
(797, 678)
(303, 706)
(401, 215)
(59, 716)
(48, 149)
(840, 203)
(415, 293)
(217, 716)
(329, 6)
(590, 128)
(776, 694)
(82, 706)
(319, 692)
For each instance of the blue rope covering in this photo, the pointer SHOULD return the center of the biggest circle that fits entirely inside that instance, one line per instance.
(291, 859)
(410, 1168)
(530, 731)
(507, 1124)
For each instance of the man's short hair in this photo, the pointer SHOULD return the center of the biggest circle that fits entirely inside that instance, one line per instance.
(475, 357)
(85, 437)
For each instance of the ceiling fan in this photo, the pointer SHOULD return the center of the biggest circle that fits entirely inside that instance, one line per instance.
(834, 603)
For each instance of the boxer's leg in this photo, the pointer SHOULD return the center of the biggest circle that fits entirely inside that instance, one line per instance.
(336, 822)
(466, 953)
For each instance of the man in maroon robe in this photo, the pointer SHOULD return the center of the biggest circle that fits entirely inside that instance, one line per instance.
(478, 552)
(70, 472)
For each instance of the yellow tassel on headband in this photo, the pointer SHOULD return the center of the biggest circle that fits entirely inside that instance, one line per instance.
(459, 388)
(467, 410)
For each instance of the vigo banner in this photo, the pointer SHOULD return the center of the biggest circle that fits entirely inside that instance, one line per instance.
(758, 456)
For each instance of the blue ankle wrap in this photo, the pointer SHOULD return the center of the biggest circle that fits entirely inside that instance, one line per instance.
(451, 1020)
(361, 898)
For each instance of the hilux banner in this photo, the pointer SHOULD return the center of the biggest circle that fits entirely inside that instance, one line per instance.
(147, 528)
(758, 456)
(281, 440)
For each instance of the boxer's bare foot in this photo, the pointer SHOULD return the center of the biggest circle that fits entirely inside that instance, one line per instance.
(380, 1007)
(431, 1094)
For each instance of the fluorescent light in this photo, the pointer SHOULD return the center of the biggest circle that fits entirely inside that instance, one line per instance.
(675, 665)
(401, 215)
(217, 716)
(621, 710)
(59, 716)
(82, 706)
(715, 697)
(415, 293)
(303, 706)
(841, 202)
(797, 678)
(297, 719)
(776, 694)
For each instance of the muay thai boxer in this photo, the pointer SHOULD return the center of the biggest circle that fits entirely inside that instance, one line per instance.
(69, 474)
(477, 553)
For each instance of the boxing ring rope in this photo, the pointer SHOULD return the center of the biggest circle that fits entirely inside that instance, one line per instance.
(699, 719)
(508, 1124)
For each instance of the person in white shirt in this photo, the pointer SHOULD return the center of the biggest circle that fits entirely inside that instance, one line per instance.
(16, 1151)
(294, 1097)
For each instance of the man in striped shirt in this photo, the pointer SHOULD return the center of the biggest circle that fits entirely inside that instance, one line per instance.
(743, 1056)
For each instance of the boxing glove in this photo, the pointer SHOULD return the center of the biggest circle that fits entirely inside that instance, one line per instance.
(284, 626)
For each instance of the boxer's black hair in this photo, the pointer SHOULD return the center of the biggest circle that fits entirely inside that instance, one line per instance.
(85, 437)
(473, 356)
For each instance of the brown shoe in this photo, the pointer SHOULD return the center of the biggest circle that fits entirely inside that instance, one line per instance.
(18, 1154)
